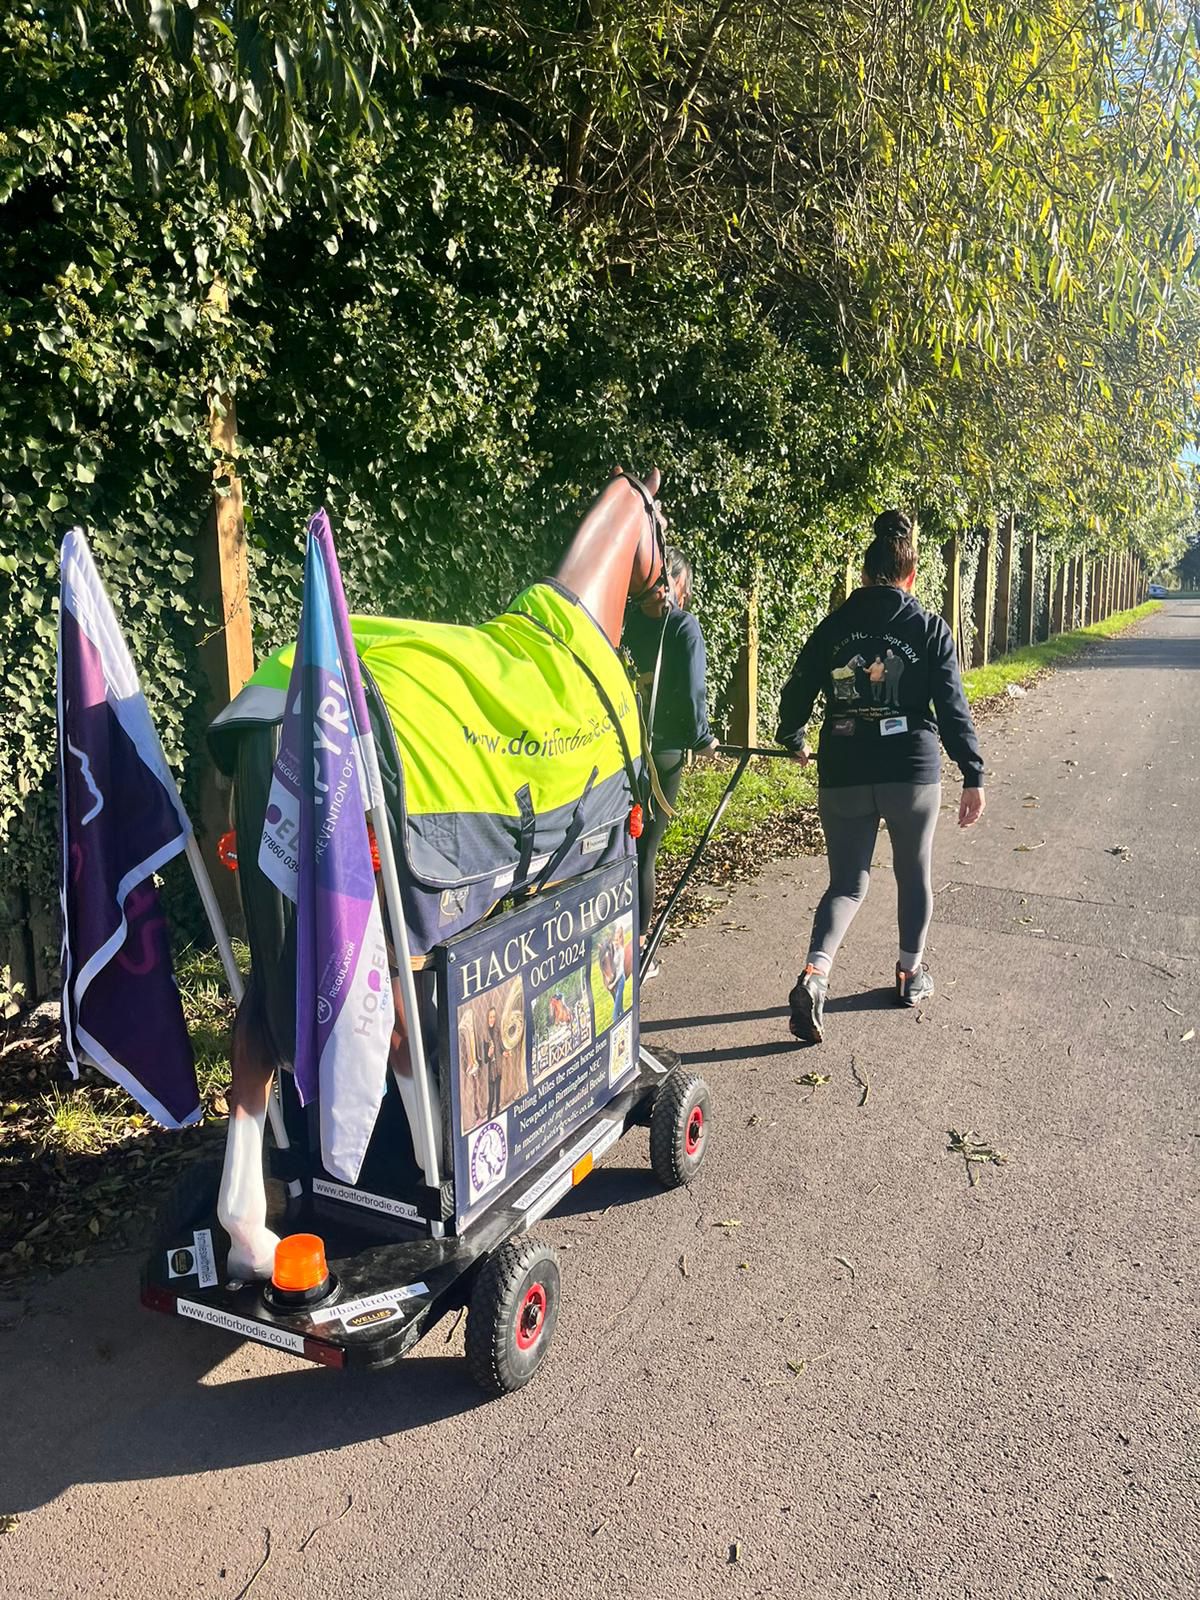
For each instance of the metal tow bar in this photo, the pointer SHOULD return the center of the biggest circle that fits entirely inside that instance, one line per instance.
(743, 754)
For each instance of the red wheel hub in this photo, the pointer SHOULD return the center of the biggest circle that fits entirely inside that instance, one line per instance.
(693, 1134)
(531, 1318)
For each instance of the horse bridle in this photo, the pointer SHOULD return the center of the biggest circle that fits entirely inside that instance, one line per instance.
(656, 528)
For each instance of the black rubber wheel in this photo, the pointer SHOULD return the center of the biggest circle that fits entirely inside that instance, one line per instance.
(511, 1317)
(679, 1127)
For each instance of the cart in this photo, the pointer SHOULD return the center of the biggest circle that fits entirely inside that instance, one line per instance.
(396, 1257)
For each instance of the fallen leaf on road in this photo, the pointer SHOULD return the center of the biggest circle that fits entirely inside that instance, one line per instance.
(974, 1150)
(735, 1554)
(797, 1367)
(729, 1224)
(683, 1266)
(8, 1523)
(1190, 1034)
(862, 1080)
(1028, 849)
(813, 1080)
(849, 1266)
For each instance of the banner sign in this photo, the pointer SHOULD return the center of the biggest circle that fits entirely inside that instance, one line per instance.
(539, 1029)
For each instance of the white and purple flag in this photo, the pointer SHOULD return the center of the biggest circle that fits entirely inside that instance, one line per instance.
(122, 820)
(317, 851)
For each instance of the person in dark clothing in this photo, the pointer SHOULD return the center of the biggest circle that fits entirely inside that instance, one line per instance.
(879, 756)
(663, 634)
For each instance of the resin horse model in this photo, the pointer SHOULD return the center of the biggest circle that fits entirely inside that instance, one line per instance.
(615, 557)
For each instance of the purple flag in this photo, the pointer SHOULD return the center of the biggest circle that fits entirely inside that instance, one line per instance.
(322, 779)
(121, 821)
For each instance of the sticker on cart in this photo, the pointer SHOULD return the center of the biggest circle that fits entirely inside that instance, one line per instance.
(369, 1308)
(194, 1260)
(620, 1051)
(365, 1200)
(487, 1159)
(260, 1332)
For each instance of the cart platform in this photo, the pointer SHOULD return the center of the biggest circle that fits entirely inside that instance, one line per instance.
(391, 1283)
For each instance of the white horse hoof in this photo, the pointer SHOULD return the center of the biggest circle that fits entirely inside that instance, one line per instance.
(252, 1256)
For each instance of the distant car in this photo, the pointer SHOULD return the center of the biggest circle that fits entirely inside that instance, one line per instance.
(1156, 592)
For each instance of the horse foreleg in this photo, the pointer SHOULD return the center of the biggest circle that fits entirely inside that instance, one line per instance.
(242, 1201)
(401, 1061)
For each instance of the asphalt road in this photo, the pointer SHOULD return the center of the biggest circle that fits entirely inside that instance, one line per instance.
(834, 1367)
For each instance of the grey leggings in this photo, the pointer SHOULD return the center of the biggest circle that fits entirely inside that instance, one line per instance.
(850, 818)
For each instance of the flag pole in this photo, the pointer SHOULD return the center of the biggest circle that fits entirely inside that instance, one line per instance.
(237, 988)
(387, 858)
(408, 989)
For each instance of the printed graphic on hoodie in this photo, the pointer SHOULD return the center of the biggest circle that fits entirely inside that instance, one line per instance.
(867, 674)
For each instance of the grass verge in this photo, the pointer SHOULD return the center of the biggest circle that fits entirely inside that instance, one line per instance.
(768, 787)
(1019, 666)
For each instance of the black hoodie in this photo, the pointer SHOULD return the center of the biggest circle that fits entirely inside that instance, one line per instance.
(889, 672)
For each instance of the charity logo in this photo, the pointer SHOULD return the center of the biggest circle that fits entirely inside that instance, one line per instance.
(182, 1263)
(488, 1160)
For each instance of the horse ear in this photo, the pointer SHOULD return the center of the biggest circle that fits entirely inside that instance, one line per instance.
(653, 480)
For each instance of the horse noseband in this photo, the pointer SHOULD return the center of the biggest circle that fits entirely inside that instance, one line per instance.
(655, 521)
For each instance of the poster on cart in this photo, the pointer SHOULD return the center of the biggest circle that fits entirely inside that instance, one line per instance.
(539, 1027)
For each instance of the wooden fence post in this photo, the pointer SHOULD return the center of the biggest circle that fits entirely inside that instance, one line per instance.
(843, 585)
(1027, 623)
(1058, 603)
(743, 715)
(984, 599)
(226, 650)
(1006, 535)
(952, 589)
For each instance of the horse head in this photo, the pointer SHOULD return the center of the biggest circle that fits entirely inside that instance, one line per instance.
(617, 553)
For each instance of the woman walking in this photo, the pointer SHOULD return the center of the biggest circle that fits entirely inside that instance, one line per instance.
(667, 647)
(889, 672)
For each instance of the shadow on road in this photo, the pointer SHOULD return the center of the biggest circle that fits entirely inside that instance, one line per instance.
(105, 1392)
(744, 1052)
(609, 1186)
(660, 1025)
(1158, 651)
(867, 1000)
